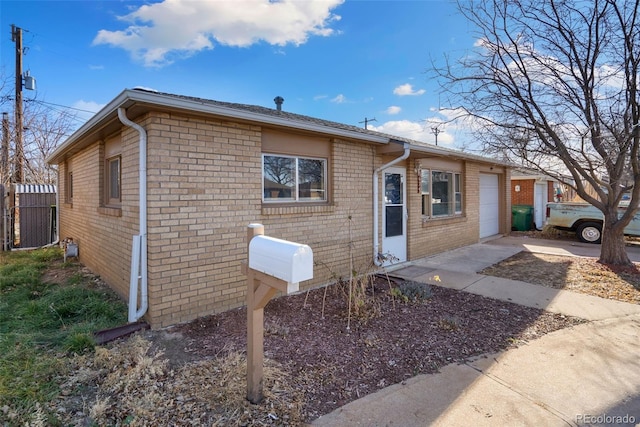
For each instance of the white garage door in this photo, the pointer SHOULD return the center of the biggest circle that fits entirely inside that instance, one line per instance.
(489, 205)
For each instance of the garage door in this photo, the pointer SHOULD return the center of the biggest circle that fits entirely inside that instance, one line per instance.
(489, 205)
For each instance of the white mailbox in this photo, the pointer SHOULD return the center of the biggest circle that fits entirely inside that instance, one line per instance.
(287, 261)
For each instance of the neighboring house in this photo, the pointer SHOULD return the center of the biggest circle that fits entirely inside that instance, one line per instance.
(532, 188)
(208, 169)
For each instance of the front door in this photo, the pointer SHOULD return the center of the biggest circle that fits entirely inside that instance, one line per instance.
(539, 204)
(394, 230)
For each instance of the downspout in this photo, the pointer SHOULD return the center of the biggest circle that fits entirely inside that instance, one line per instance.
(57, 239)
(138, 277)
(376, 245)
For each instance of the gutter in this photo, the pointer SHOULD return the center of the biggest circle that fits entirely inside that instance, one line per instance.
(376, 243)
(138, 276)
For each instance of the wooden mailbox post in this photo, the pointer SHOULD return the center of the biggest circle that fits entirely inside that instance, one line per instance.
(274, 265)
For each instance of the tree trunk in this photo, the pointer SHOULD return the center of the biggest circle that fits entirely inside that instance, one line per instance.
(613, 249)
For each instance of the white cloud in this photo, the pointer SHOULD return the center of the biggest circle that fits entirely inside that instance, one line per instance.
(407, 89)
(159, 33)
(84, 110)
(455, 126)
(449, 114)
(394, 109)
(319, 97)
(91, 106)
(453, 129)
(340, 99)
(404, 128)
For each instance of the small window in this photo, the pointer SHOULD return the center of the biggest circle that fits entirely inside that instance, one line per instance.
(441, 193)
(458, 193)
(112, 181)
(69, 187)
(426, 191)
(293, 179)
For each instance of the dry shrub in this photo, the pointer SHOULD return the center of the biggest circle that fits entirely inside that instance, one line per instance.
(138, 389)
(359, 295)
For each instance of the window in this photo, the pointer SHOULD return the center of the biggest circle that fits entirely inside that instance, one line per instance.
(293, 179)
(112, 181)
(426, 191)
(441, 193)
(69, 187)
(111, 174)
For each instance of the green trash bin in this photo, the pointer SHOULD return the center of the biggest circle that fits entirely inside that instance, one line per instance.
(521, 217)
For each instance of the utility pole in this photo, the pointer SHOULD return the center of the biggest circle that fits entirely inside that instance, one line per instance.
(366, 121)
(436, 131)
(16, 36)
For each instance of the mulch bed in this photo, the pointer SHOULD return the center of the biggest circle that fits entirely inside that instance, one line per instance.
(392, 341)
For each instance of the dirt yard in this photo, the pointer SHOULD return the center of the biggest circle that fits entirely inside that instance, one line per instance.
(195, 373)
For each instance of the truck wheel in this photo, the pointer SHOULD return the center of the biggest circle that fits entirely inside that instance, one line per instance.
(590, 232)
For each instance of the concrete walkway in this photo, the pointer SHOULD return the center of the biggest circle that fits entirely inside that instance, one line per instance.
(584, 375)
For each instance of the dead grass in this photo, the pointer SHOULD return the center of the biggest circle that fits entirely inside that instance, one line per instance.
(584, 275)
(135, 387)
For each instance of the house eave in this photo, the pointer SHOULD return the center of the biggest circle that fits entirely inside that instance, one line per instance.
(419, 150)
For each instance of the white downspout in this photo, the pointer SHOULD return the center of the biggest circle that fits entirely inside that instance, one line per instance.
(138, 277)
(376, 245)
(57, 239)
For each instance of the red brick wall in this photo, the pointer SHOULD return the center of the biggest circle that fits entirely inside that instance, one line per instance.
(526, 195)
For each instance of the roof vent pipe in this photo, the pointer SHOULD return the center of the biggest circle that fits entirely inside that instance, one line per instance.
(278, 100)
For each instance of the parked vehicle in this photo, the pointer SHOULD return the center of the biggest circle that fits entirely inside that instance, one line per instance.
(585, 219)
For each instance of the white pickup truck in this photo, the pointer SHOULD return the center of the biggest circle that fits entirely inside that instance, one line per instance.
(585, 219)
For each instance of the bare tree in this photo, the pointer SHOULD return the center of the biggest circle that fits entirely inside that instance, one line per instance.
(6, 131)
(554, 85)
(44, 129)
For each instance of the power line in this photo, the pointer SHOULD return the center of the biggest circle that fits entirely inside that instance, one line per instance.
(37, 101)
(59, 105)
(51, 106)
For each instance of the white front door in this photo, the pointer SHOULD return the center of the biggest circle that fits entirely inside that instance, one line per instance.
(539, 204)
(394, 216)
(489, 205)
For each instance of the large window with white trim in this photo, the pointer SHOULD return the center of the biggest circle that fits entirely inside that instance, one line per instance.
(293, 178)
(441, 193)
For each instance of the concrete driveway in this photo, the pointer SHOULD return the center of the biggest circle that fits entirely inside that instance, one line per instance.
(559, 247)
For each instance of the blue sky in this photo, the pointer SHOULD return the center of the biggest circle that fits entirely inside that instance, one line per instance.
(332, 59)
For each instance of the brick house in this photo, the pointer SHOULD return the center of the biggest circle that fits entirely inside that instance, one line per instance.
(532, 188)
(181, 205)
